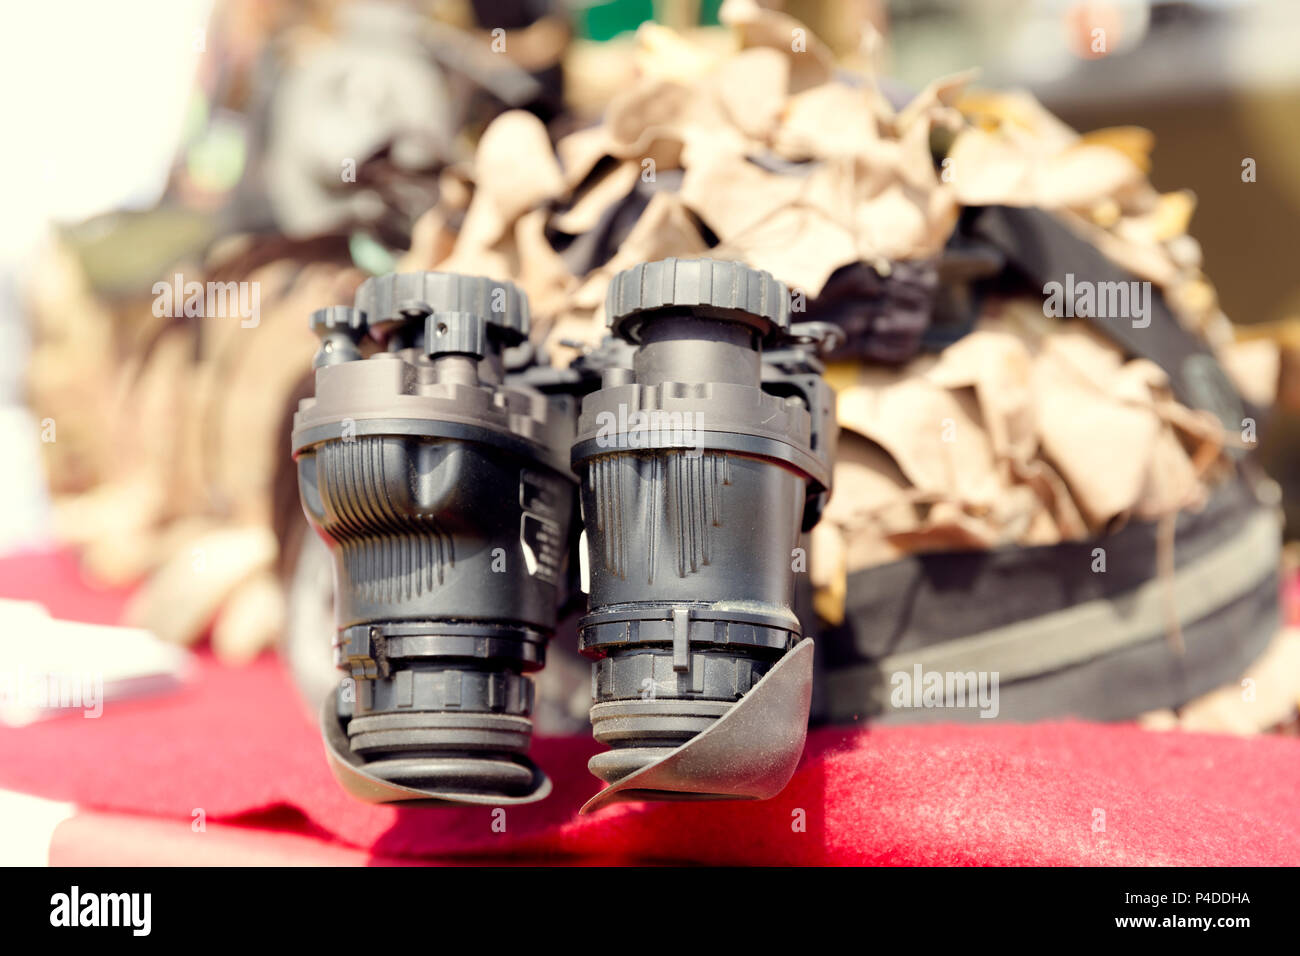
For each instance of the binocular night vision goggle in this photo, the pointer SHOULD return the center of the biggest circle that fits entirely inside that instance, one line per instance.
(450, 472)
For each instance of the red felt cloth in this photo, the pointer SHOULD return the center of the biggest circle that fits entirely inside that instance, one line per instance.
(238, 745)
(93, 838)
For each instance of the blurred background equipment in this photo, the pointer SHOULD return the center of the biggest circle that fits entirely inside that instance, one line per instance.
(53, 666)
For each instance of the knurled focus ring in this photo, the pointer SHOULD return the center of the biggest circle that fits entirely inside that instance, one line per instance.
(708, 287)
(400, 296)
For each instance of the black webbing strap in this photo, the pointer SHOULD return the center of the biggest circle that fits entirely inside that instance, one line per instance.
(1043, 249)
